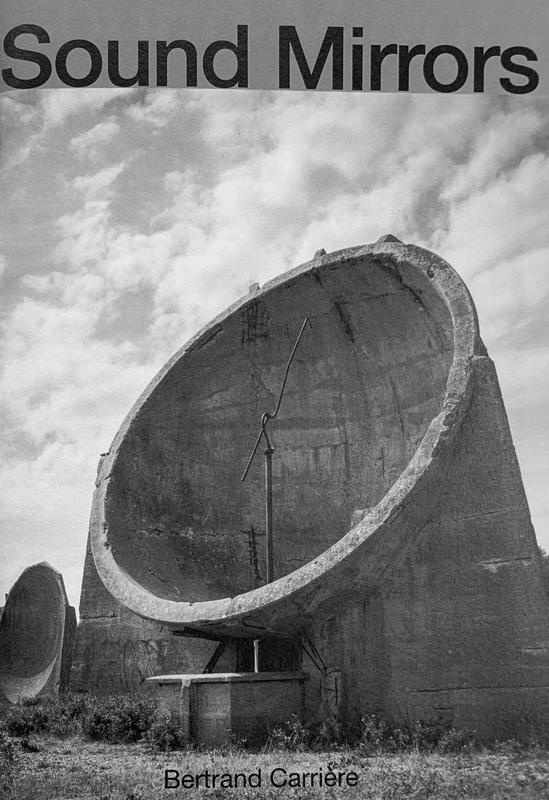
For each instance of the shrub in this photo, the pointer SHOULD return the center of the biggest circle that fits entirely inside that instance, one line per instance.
(328, 734)
(380, 735)
(122, 718)
(26, 718)
(165, 733)
(295, 735)
(7, 749)
(29, 745)
(291, 735)
(454, 740)
(8, 764)
(19, 721)
(60, 716)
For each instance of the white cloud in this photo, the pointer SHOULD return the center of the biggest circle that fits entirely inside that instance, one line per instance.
(156, 108)
(499, 222)
(98, 185)
(524, 375)
(507, 293)
(15, 110)
(59, 104)
(89, 145)
(503, 139)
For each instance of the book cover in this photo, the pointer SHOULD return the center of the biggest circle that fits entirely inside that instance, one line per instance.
(313, 230)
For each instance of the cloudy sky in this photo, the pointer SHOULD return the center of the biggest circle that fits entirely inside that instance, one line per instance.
(129, 218)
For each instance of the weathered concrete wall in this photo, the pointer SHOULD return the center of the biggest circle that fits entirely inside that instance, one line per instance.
(459, 628)
(36, 636)
(117, 650)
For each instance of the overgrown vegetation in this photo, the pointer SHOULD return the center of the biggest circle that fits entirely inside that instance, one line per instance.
(380, 736)
(7, 749)
(60, 717)
(118, 748)
(124, 718)
(164, 733)
(296, 736)
(376, 736)
(120, 718)
(133, 718)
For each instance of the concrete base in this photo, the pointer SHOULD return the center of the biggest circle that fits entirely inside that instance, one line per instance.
(217, 708)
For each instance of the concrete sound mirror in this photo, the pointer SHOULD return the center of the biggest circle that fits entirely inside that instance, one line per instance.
(405, 564)
(36, 636)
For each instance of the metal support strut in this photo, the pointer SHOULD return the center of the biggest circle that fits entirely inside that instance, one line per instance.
(268, 453)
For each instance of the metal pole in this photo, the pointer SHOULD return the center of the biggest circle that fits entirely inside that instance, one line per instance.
(269, 510)
(268, 452)
(256, 655)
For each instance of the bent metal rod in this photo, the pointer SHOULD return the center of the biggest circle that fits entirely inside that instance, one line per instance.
(268, 453)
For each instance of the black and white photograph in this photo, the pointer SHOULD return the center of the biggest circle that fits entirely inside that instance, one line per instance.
(274, 383)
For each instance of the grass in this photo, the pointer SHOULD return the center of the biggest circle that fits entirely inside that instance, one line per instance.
(64, 750)
(76, 768)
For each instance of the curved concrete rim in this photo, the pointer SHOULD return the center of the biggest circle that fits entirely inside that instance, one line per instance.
(437, 440)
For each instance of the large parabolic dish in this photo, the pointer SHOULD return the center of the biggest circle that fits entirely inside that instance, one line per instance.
(36, 636)
(405, 556)
(375, 393)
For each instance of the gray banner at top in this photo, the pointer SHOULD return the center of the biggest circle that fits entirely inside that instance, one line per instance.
(440, 46)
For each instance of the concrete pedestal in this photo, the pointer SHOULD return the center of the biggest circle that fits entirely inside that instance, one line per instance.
(217, 707)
